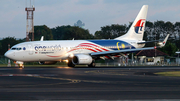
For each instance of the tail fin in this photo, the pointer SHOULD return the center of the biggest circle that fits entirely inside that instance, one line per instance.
(136, 30)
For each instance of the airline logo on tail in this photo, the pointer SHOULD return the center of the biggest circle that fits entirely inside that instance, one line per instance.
(138, 28)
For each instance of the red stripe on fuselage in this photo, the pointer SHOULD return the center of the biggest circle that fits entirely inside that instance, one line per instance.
(93, 45)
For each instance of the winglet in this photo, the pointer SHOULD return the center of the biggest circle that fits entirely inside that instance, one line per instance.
(42, 38)
(162, 44)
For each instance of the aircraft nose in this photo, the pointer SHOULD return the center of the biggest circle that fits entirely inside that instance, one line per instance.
(8, 54)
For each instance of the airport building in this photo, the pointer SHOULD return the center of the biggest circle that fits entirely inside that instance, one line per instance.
(151, 57)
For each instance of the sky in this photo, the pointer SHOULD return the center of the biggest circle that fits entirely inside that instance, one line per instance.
(94, 13)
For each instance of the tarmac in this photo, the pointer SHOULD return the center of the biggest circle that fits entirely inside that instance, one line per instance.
(82, 83)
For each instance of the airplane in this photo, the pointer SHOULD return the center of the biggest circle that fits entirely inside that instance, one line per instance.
(83, 52)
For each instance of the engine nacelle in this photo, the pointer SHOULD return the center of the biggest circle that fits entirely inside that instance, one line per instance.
(82, 59)
(47, 62)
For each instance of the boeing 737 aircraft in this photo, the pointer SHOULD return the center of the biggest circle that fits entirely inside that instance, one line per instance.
(83, 52)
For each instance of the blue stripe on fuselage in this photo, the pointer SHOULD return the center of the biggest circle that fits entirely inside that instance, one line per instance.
(113, 43)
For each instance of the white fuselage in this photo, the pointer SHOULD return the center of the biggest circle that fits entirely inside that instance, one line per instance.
(57, 50)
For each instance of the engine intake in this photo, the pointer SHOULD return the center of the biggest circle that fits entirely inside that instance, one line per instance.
(82, 59)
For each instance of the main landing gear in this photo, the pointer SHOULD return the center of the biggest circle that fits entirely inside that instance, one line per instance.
(70, 64)
(93, 64)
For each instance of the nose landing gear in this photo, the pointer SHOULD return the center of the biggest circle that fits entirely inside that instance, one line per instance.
(20, 64)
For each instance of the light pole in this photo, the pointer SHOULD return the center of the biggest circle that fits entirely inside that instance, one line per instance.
(178, 56)
(9, 62)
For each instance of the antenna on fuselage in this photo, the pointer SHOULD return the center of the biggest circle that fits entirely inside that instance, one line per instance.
(42, 38)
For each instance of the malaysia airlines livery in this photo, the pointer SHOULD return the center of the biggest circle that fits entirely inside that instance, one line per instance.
(83, 52)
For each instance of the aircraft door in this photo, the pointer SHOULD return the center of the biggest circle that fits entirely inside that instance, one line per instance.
(30, 49)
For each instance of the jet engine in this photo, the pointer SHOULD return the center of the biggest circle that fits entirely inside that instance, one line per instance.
(82, 59)
(47, 62)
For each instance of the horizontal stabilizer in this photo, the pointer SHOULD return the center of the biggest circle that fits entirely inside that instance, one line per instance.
(149, 41)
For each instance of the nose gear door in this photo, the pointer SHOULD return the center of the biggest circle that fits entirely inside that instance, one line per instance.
(30, 48)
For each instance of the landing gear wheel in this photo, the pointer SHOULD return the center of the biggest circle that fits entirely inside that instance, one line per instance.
(21, 66)
(70, 64)
(93, 64)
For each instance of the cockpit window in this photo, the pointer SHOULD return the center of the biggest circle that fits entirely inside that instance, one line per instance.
(13, 48)
(16, 48)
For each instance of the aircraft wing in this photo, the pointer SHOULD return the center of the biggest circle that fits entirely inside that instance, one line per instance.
(162, 44)
(119, 51)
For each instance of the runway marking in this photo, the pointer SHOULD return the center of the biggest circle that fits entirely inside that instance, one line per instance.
(125, 89)
(50, 76)
(76, 80)
(65, 79)
(43, 76)
(27, 75)
(109, 72)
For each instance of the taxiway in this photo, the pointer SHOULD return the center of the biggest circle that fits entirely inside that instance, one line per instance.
(64, 83)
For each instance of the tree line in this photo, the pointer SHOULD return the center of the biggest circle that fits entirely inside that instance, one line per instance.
(153, 31)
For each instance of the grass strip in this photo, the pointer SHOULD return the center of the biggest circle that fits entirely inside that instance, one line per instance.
(171, 73)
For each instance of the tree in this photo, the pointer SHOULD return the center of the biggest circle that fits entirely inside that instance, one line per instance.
(4, 44)
(168, 26)
(70, 32)
(98, 35)
(111, 32)
(42, 31)
(148, 30)
(169, 48)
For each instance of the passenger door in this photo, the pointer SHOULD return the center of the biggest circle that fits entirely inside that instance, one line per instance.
(30, 49)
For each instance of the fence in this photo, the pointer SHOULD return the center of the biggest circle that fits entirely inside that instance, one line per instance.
(136, 63)
(4, 62)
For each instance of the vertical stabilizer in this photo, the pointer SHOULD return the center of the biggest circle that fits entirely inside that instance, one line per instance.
(136, 30)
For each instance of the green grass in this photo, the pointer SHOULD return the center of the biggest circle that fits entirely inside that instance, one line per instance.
(3, 65)
(171, 73)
